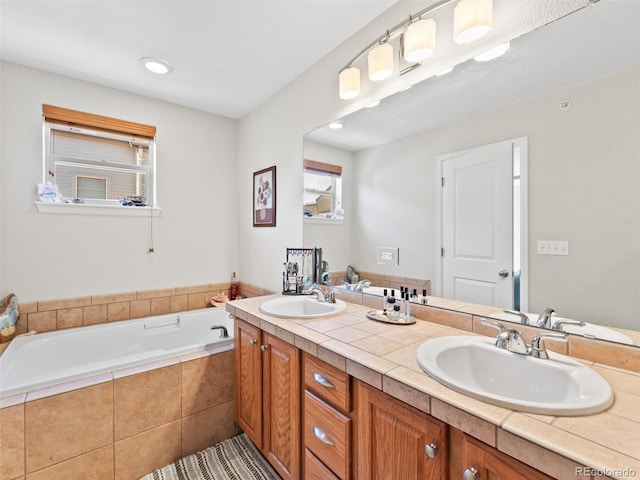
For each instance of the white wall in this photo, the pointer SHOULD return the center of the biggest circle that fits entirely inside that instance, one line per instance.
(49, 256)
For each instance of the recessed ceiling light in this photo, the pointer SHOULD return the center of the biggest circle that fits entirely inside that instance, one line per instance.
(493, 53)
(156, 65)
(335, 125)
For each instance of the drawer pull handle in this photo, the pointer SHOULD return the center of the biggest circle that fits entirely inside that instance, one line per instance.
(322, 380)
(323, 437)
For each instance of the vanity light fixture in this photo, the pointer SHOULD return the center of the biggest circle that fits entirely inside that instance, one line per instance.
(472, 20)
(156, 65)
(493, 53)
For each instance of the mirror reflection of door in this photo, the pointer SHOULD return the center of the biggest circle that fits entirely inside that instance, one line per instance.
(480, 225)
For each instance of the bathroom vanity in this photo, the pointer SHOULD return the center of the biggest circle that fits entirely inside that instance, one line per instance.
(341, 397)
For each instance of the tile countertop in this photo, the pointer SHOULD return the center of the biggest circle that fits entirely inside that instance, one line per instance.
(383, 355)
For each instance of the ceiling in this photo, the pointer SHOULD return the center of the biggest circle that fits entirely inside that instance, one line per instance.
(592, 42)
(229, 56)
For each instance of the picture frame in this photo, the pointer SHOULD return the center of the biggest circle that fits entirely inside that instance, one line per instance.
(264, 197)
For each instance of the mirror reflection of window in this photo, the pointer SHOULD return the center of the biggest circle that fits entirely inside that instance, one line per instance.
(322, 190)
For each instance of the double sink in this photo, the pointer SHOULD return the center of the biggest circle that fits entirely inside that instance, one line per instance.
(476, 366)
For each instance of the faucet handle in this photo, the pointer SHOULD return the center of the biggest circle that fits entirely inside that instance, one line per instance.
(491, 323)
(537, 345)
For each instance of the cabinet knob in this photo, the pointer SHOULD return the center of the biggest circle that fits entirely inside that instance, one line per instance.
(431, 450)
(264, 347)
(253, 341)
(471, 473)
(323, 437)
(322, 380)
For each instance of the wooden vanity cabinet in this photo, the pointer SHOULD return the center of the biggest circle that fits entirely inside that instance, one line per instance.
(327, 422)
(267, 399)
(472, 459)
(395, 440)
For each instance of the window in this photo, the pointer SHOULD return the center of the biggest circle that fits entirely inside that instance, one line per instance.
(322, 190)
(99, 159)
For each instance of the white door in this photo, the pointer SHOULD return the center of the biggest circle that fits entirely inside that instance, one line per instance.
(477, 225)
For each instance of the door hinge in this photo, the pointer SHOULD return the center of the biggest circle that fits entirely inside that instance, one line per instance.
(442, 251)
(442, 181)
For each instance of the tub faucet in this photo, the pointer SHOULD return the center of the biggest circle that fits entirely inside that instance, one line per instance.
(223, 331)
(544, 319)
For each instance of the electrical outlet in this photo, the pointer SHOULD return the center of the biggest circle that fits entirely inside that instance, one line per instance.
(552, 247)
(388, 255)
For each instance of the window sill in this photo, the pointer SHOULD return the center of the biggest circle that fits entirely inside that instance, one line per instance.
(330, 221)
(91, 209)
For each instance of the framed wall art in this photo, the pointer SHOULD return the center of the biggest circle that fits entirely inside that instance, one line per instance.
(264, 197)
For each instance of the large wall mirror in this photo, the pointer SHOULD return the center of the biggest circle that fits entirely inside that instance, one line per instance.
(572, 89)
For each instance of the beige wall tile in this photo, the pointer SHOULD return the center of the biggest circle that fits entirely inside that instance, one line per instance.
(148, 294)
(113, 298)
(621, 356)
(12, 442)
(95, 465)
(179, 303)
(63, 303)
(143, 453)
(146, 400)
(219, 287)
(207, 427)
(197, 300)
(118, 311)
(22, 325)
(160, 305)
(42, 321)
(69, 318)
(28, 307)
(94, 314)
(450, 318)
(63, 426)
(192, 289)
(140, 308)
(207, 382)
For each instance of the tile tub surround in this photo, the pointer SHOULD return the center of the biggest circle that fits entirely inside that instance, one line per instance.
(384, 357)
(49, 315)
(111, 426)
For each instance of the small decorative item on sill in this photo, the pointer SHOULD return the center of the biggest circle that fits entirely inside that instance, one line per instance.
(264, 197)
(8, 317)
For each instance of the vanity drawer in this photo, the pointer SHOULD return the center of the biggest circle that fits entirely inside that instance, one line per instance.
(314, 469)
(327, 433)
(327, 382)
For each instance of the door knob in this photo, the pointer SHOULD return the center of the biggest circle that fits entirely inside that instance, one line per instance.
(253, 341)
(503, 273)
(431, 450)
(471, 473)
(264, 347)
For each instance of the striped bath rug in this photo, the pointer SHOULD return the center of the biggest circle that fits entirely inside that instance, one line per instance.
(233, 459)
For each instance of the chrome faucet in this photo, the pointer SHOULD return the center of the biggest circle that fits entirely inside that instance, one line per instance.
(544, 319)
(524, 319)
(323, 294)
(513, 341)
(537, 349)
(507, 338)
(362, 284)
(223, 330)
(557, 325)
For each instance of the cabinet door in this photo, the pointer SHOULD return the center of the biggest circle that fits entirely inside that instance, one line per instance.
(392, 437)
(281, 407)
(491, 464)
(248, 380)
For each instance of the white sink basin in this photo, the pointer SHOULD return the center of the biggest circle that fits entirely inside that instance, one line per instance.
(476, 367)
(301, 307)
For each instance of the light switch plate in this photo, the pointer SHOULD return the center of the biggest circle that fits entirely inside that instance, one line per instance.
(552, 247)
(388, 255)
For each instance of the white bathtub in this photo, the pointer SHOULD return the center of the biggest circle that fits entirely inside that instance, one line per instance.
(45, 359)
